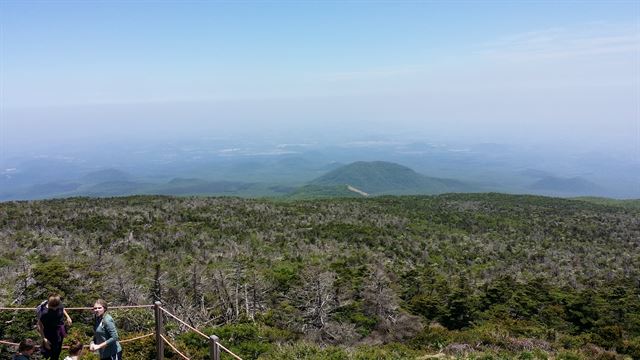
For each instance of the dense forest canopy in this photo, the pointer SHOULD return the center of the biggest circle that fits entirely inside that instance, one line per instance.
(491, 275)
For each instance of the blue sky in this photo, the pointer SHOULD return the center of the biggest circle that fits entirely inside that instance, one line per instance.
(556, 71)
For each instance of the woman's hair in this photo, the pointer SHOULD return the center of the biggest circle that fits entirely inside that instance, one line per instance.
(26, 345)
(54, 300)
(102, 303)
(75, 348)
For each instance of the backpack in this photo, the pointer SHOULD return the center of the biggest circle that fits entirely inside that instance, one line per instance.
(41, 308)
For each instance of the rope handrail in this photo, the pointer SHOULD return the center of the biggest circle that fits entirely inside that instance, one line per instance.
(136, 338)
(113, 307)
(198, 332)
(173, 347)
(80, 308)
(66, 347)
(184, 323)
(229, 351)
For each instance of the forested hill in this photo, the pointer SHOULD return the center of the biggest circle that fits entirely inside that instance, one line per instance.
(500, 276)
(381, 177)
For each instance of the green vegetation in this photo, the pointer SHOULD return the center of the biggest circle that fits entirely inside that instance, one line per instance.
(321, 192)
(478, 276)
(632, 204)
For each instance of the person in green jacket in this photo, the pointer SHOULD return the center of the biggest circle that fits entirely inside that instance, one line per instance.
(105, 338)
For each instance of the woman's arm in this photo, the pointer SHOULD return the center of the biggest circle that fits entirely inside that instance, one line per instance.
(45, 341)
(67, 316)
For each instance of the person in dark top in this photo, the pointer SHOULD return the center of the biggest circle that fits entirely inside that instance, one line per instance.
(105, 338)
(51, 319)
(25, 349)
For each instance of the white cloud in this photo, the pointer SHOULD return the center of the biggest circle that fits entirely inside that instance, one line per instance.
(563, 43)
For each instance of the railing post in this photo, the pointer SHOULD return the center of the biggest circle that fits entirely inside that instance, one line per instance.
(159, 331)
(214, 349)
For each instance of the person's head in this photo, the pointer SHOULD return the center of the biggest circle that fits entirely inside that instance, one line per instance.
(75, 348)
(26, 346)
(54, 301)
(100, 307)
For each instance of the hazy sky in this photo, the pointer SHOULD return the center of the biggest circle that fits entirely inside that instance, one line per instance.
(550, 71)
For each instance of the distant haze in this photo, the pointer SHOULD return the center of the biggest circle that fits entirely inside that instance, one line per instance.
(324, 119)
(546, 75)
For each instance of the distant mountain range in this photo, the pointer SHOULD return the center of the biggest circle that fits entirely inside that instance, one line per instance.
(357, 179)
(105, 175)
(574, 185)
(259, 168)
